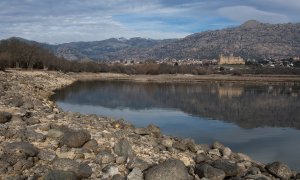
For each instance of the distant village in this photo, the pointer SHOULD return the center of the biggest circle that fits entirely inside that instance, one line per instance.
(223, 60)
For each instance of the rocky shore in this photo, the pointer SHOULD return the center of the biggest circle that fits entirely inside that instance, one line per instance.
(40, 141)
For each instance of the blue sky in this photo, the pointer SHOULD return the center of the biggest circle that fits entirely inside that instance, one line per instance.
(59, 21)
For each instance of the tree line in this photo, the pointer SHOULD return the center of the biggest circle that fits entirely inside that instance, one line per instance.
(17, 54)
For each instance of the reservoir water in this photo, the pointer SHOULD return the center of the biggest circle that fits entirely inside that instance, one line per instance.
(262, 121)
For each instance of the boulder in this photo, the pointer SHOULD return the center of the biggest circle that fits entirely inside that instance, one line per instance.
(76, 139)
(205, 170)
(167, 142)
(105, 157)
(5, 117)
(135, 174)
(229, 168)
(91, 145)
(60, 175)
(23, 147)
(279, 170)
(137, 163)
(16, 101)
(171, 169)
(81, 170)
(154, 130)
(110, 171)
(123, 148)
(118, 177)
(142, 131)
(46, 155)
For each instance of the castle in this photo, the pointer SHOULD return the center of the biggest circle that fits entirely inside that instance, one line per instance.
(231, 60)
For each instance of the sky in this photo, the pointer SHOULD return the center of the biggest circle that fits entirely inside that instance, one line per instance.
(60, 21)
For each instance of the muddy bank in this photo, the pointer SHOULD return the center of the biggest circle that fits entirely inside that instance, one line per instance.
(40, 141)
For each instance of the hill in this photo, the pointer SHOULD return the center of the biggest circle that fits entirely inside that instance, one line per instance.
(253, 39)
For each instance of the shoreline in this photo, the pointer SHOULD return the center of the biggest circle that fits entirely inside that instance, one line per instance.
(93, 147)
(188, 78)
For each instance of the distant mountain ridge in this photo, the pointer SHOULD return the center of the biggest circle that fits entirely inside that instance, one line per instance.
(252, 39)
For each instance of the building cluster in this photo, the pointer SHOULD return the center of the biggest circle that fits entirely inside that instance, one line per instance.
(230, 60)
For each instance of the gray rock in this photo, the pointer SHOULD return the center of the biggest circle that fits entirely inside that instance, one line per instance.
(204, 170)
(168, 170)
(32, 121)
(76, 139)
(91, 145)
(167, 142)
(110, 171)
(279, 170)
(46, 155)
(5, 117)
(24, 147)
(142, 131)
(200, 158)
(154, 130)
(180, 146)
(81, 170)
(55, 134)
(137, 163)
(229, 168)
(105, 157)
(16, 101)
(28, 105)
(23, 164)
(34, 136)
(135, 174)
(118, 177)
(60, 175)
(123, 148)
(3, 166)
(218, 145)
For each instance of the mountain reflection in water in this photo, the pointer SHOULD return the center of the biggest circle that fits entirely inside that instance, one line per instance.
(248, 106)
(261, 121)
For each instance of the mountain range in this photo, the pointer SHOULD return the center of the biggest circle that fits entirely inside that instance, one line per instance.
(252, 39)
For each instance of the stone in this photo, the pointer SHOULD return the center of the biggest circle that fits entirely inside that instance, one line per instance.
(16, 101)
(135, 174)
(205, 170)
(46, 155)
(142, 131)
(200, 158)
(119, 124)
(180, 146)
(34, 136)
(215, 152)
(60, 175)
(217, 145)
(32, 121)
(3, 166)
(121, 160)
(5, 117)
(28, 105)
(154, 130)
(23, 164)
(55, 134)
(172, 169)
(191, 145)
(110, 171)
(167, 142)
(229, 168)
(137, 163)
(24, 147)
(105, 157)
(118, 177)
(91, 145)
(226, 152)
(81, 170)
(123, 148)
(76, 139)
(279, 169)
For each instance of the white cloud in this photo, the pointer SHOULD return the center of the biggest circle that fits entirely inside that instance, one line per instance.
(244, 13)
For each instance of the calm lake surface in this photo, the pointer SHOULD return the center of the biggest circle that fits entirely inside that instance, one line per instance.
(262, 121)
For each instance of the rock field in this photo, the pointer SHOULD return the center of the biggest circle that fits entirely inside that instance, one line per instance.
(38, 140)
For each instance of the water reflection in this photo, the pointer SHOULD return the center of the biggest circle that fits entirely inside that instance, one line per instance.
(262, 121)
(248, 106)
